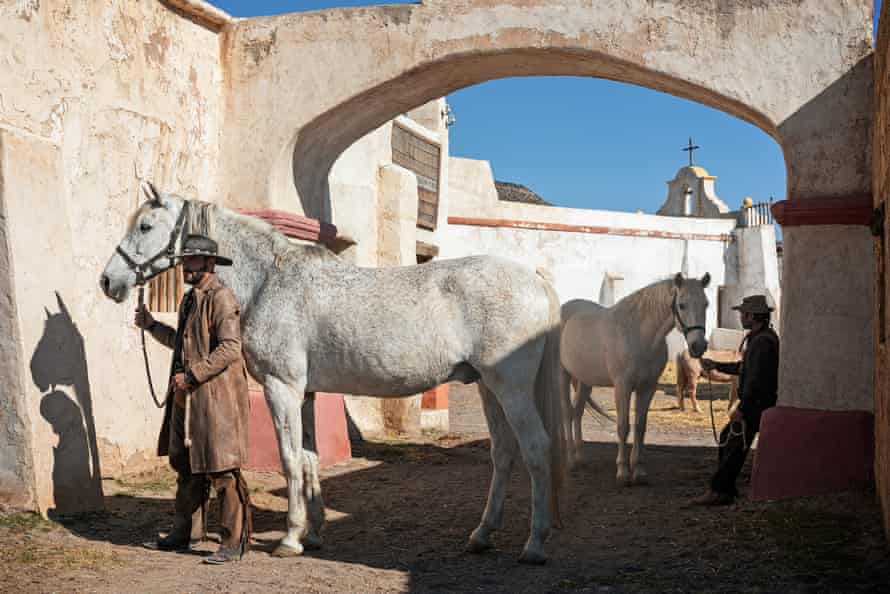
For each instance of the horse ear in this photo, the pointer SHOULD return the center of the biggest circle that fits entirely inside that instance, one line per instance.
(48, 315)
(678, 280)
(62, 308)
(706, 280)
(151, 192)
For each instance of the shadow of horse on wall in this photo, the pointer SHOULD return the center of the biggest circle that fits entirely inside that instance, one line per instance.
(60, 360)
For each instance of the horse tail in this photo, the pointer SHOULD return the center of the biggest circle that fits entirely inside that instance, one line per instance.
(553, 406)
(598, 410)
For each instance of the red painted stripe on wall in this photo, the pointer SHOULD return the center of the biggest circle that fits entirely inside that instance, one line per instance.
(836, 210)
(539, 226)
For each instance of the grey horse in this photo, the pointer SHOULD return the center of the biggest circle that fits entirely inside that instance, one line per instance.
(312, 322)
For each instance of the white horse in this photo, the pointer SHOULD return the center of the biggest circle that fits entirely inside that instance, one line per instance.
(625, 346)
(311, 322)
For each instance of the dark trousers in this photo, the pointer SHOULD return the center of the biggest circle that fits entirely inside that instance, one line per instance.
(192, 491)
(731, 456)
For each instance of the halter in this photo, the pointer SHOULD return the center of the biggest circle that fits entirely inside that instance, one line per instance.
(169, 251)
(141, 279)
(683, 327)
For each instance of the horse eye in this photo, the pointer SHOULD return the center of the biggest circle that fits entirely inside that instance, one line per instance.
(145, 227)
(682, 306)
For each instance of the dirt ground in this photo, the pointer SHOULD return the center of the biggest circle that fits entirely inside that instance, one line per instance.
(399, 514)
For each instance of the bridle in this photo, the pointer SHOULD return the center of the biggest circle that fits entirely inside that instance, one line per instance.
(168, 252)
(679, 321)
(140, 270)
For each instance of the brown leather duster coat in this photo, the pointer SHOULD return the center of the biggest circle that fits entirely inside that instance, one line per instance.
(211, 351)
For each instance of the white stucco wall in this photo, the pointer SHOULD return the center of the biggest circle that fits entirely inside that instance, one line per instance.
(580, 261)
(758, 272)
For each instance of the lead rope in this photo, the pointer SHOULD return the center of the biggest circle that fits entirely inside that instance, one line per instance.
(181, 227)
(732, 431)
(151, 386)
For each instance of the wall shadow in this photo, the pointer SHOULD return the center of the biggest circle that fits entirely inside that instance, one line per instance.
(60, 360)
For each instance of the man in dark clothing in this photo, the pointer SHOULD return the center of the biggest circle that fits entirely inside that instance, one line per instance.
(206, 418)
(758, 386)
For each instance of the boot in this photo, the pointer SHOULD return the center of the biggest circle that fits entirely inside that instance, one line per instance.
(713, 498)
(224, 555)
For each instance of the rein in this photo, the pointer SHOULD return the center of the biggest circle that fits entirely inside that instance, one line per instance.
(151, 386)
(141, 279)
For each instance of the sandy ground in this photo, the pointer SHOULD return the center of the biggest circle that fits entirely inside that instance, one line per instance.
(399, 513)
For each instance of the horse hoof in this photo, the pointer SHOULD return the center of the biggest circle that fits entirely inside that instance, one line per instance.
(283, 551)
(623, 480)
(477, 544)
(530, 558)
(641, 480)
(312, 542)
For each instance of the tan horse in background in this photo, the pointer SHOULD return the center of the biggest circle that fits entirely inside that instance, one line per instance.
(689, 371)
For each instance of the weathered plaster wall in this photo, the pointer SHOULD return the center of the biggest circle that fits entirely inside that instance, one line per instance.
(823, 322)
(355, 192)
(16, 460)
(94, 96)
(796, 69)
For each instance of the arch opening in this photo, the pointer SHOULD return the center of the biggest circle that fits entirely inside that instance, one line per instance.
(306, 162)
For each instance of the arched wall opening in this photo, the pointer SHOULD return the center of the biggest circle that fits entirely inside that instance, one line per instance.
(307, 161)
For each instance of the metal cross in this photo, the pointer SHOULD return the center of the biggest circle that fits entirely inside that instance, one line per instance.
(691, 148)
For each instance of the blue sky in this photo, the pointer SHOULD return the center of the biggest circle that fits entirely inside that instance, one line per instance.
(591, 143)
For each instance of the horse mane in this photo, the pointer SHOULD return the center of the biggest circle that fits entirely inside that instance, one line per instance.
(642, 301)
(201, 218)
(205, 215)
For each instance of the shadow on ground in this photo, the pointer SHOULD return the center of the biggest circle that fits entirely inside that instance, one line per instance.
(413, 510)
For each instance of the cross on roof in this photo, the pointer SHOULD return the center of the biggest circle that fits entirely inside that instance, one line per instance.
(691, 148)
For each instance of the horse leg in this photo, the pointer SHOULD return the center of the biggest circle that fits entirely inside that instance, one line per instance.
(693, 392)
(311, 482)
(733, 392)
(681, 384)
(581, 393)
(644, 398)
(622, 406)
(518, 405)
(285, 403)
(503, 454)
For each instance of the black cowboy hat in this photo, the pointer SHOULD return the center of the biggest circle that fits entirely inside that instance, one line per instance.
(199, 245)
(755, 304)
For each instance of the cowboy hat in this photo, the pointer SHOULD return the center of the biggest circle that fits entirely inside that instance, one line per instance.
(755, 304)
(199, 245)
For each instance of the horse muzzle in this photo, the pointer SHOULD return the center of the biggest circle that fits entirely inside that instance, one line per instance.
(698, 348)
(116, 292)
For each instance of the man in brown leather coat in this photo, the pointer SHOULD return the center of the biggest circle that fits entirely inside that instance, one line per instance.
(206, 416)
